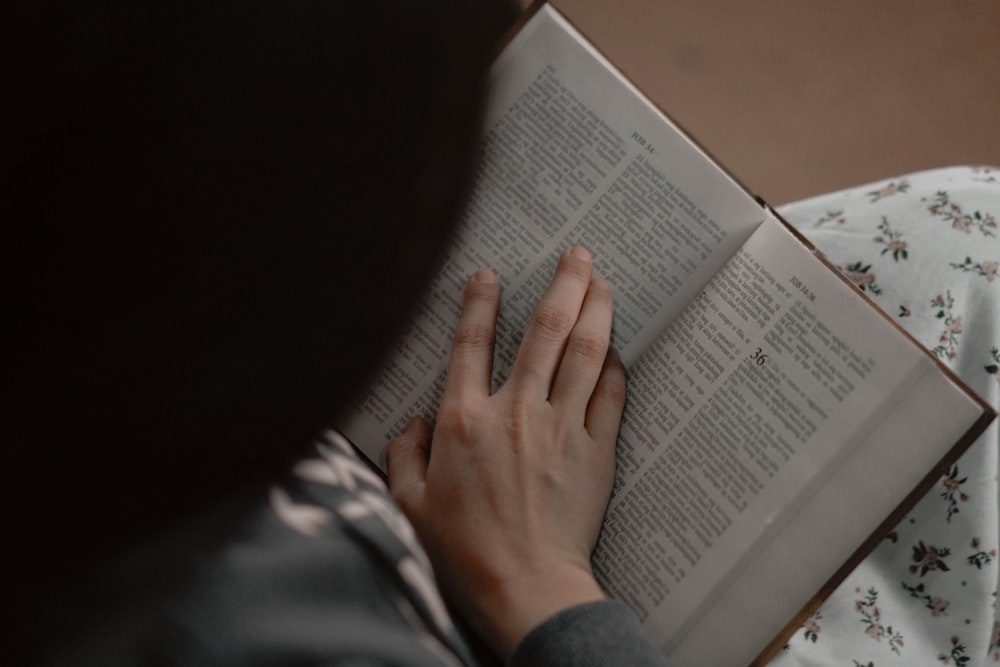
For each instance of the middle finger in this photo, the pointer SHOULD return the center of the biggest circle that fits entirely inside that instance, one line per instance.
(551, 323)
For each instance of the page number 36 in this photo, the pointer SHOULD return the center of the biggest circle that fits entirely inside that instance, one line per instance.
(758, 357)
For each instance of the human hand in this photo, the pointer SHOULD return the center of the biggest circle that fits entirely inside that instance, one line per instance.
(509, 493)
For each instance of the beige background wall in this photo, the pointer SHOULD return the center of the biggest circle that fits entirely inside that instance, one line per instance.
(799, 97)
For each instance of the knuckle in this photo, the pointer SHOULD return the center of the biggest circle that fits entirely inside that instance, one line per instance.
(602, 296)
(474, 335)
(589, 346)
(397, 448)
(490, 293)
(576, 267)
(611, 389)
(552, 321)
(458, 421)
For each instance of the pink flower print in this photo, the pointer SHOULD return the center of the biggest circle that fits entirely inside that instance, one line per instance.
(891, 239)
(836, 217)
(938, 606)
(952, 483)
(947, 347)
(861, 279)
(957, 654)
(994, 368)
(931, 560)
(811, 628)
(990, 270)
(983, 221)
(871, 618)
(980, 557)
(927, 558)
(935, 603)
(986, 269)
(860, 274)
(889, 190)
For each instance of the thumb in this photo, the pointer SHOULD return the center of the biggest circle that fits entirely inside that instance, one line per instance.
(406, 457)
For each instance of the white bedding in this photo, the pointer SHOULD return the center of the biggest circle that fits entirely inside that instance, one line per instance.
(926, 248)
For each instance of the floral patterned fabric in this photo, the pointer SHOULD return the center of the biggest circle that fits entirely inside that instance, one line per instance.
(926, 248)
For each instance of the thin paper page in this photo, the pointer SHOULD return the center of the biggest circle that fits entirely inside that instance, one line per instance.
(570, 156)
(765, 381)
(902, 448)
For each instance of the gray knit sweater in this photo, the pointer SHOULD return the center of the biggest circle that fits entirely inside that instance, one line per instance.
(322, 569)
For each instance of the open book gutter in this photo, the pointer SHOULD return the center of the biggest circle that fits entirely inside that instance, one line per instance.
(778, 424)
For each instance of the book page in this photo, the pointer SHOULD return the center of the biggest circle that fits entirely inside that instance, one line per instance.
(828, 527)
(739, 414)
(573, 154)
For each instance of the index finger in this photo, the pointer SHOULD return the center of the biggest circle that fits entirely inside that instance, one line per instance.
(471, 365)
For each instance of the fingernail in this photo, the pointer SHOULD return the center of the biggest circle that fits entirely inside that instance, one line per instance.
(600, 283)
(581, 252)
(485, 276)
(613, 354)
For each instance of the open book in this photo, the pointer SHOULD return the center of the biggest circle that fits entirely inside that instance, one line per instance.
(778, 424)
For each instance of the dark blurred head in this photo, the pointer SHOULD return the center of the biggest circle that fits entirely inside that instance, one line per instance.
(217, 215)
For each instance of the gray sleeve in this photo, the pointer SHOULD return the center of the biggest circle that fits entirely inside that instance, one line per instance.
(593, 634)
(249, 583)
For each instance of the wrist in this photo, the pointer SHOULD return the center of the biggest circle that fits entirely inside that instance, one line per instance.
(518, 604)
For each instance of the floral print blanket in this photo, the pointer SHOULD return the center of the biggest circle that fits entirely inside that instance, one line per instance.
(926, 248)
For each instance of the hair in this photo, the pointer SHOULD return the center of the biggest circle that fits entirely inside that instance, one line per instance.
(218, 215)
